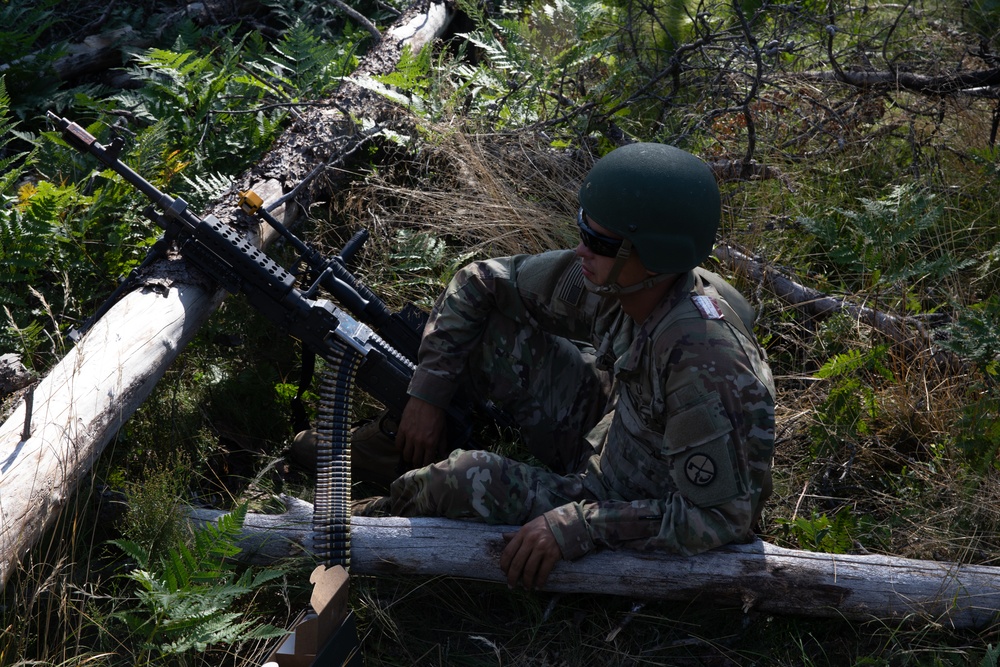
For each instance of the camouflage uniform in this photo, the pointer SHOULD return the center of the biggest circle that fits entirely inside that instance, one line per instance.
(680, 459)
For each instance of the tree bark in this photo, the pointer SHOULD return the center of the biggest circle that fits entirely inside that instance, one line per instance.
(755, 577)
(56, 433)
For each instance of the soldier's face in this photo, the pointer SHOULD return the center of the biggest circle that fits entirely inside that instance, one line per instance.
(597, 268)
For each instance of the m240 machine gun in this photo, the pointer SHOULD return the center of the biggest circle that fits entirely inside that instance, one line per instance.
(369, 345)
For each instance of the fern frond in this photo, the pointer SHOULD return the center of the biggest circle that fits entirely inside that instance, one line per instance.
(187, 605)
(203, 188)
(222, 628)
(11, 167)
(133, 551)
(417, 251)
(841, 364)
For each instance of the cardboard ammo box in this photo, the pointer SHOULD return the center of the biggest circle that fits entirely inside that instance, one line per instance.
(313, 629)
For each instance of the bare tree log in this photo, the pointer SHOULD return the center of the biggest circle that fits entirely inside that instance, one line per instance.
(757, 576)
(50, 442)
(267, 538)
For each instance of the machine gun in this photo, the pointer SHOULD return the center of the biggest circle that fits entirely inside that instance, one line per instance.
(378, 352)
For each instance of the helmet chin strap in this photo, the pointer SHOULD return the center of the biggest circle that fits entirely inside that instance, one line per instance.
(612, 288)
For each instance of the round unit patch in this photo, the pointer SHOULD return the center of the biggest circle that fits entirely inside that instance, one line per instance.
(699, 469)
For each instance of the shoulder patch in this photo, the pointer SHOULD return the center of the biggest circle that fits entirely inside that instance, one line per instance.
(698, 441)
(707, 306)
(570, 288)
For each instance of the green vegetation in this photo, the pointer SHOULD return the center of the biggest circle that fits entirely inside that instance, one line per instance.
(884, 195)
(184, 598)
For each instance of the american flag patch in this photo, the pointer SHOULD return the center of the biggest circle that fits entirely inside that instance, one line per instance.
(572, 285)
(707, 306)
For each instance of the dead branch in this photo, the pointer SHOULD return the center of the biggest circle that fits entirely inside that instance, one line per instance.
(907, 332)
(985, 83)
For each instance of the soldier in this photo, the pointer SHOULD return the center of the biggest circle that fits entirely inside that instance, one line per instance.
(635, 377)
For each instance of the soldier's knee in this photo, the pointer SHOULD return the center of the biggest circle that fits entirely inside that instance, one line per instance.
(446, 488)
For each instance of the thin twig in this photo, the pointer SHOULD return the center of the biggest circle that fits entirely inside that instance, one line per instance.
(360, 18)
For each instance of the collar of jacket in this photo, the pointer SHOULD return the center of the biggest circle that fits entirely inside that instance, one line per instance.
(680, 290)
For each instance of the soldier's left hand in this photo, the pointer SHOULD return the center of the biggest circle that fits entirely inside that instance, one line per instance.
(530, 554)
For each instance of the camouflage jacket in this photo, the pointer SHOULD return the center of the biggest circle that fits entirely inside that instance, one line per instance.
(685, 448)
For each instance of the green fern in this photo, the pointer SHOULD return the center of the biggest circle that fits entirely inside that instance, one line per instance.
(991, 656)
(890, 242)
(203, 188)
(854, 361)
(524, 64)
(852, 403)
(11, 166)
(186, 595)
(183, 88)
(23, 24)
(412, 76)
(34, 235)
(975, 335)
(821, 534)
(308, 63)
(417, 252)
(421, 263)
(22, 245)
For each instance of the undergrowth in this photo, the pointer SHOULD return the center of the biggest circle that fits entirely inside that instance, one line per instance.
(881, 197)
(185, 593)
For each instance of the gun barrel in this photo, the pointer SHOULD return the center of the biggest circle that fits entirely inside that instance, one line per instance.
(83, 141)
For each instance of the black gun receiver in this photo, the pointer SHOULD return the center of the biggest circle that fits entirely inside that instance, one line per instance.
(226, 256)
(379, 350)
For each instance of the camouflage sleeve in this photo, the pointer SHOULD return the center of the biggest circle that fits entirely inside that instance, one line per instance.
(727, 406)
(673, 524)
(534, 289)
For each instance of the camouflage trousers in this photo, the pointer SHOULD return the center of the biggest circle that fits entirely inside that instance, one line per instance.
(485, 486)
(555, 393)
(550, 386)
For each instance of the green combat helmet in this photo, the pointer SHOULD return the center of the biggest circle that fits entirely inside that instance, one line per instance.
(662, 200)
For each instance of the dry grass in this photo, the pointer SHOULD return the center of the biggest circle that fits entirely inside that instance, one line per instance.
(489, 195)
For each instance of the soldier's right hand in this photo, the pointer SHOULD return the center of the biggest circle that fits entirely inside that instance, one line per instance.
(421, 435)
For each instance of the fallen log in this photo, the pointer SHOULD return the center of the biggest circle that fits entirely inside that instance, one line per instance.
(814, 301)
(50, 441)
(755, 577)
(977, 83)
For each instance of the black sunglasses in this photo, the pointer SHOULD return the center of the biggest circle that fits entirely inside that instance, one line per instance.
(605, 246)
